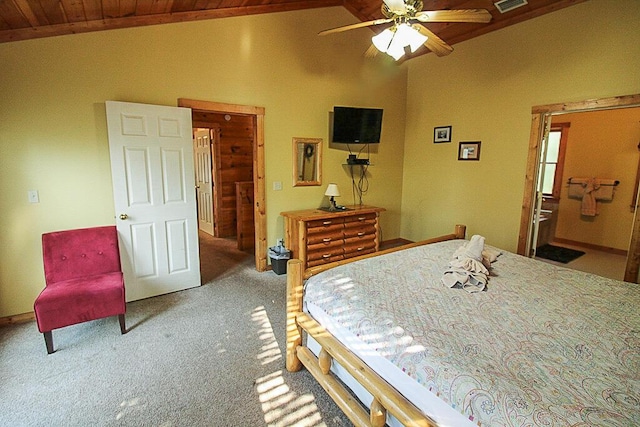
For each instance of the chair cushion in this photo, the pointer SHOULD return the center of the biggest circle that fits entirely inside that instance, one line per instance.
(76, 253)
(80, 300)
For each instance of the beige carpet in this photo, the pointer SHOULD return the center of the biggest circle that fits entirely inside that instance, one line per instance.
(207, 356)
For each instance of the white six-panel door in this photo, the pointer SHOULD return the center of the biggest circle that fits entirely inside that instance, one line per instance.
(204, 189)
(152, 170)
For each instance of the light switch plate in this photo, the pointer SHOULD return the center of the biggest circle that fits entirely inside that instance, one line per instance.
(33, 196)
(277, 185)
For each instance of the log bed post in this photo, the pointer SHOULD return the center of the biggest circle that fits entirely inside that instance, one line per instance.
(294, 306)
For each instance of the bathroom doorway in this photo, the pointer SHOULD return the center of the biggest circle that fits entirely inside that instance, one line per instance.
(533, 211)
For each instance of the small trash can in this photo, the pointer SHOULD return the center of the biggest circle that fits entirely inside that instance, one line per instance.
(279, 257)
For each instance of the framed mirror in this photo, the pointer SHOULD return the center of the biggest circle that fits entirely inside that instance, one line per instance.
(307, 161)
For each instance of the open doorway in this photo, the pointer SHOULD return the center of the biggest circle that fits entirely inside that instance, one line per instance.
(538, 214)
(213, 115)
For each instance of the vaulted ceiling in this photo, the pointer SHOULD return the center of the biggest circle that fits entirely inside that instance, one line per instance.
(30, 19)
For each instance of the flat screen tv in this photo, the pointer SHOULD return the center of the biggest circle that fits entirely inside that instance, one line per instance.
(353, 125)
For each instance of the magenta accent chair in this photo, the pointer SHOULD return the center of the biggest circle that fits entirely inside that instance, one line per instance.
(83, 280)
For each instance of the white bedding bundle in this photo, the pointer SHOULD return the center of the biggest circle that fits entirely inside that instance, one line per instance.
(469, 267)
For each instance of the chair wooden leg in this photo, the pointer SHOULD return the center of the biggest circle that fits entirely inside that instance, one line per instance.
(123, 328)
(48, 340)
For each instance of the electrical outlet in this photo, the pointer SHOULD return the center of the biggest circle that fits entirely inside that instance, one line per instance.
(33, 196)
(277, 185)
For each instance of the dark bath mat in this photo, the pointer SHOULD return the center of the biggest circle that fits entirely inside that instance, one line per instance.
(558, 253)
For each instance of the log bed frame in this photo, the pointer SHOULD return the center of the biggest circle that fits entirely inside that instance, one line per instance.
(385, 397)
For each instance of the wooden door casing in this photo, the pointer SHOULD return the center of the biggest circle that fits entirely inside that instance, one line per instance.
(257, 116)
(538, 116)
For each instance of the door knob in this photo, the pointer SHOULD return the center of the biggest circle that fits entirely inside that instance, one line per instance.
(124, 216)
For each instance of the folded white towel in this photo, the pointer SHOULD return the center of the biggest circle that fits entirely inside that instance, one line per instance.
(589, 206)
(489, 256)
(466, 269)
(467, 280)
(603, 191)
(606, 190)
(576, 187)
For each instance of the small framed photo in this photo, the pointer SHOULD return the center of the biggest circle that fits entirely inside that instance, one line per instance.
(442, 134)
(469, 151)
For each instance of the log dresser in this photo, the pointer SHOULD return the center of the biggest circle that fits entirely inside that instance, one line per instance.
(318, 237)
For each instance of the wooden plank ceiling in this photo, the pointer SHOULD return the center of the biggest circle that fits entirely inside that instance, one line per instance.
(29, 19)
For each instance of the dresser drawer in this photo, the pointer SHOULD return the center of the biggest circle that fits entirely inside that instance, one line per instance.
(369, 239)
(359, 247)
(361, 218)
(328, 246)
(360, 230)
(324, 253)
(331, 236)
(323, 224)
(332, 229)
(325, 260)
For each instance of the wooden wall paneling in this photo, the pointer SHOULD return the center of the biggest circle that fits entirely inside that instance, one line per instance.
(245, 220)
(215, 174)
(236, 165)
(233, 159)
(208, 112)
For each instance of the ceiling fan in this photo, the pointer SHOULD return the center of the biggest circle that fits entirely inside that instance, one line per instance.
(407, 30)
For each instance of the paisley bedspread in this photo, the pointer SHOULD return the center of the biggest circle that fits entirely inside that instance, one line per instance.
(541, 346)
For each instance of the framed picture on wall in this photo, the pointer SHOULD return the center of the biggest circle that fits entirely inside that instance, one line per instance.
(442, 134)
(469, 151)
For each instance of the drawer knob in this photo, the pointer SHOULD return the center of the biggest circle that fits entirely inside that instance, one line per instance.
(326, 239)
(326, 222)
(361, 218)
(361, 233)
(360, 249)
(326, 256)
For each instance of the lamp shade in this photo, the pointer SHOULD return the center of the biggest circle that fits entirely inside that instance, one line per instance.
(409, 36)
(393, 41)
(383, 40)
(332, 191)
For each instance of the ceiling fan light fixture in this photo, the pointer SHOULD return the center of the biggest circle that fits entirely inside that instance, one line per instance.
(396, 50)
(393, 41)
(414, 38)
(399, 41)
(382, 40)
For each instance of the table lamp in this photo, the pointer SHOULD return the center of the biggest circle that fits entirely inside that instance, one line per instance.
(332, 191)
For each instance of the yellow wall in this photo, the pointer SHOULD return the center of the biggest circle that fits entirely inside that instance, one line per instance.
(485, 89)
(601, 144)
(53, 128)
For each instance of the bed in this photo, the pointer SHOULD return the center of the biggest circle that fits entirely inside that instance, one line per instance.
(542, 345)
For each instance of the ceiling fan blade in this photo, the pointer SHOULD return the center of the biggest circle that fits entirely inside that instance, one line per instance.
(461, 15)
(434, 43)
(396, 6)
(354, 26)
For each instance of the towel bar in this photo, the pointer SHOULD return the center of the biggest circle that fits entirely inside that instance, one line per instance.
(581, 181)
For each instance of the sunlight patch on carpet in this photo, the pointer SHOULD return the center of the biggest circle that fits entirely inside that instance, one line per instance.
(280, 405)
